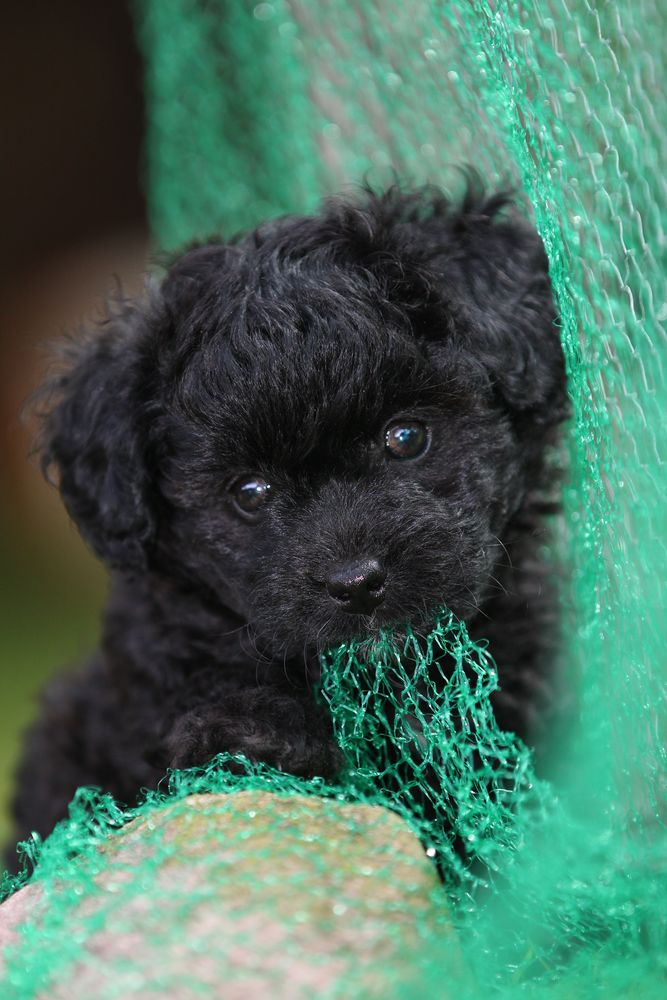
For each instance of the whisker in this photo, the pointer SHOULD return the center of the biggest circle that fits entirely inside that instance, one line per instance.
(500, 585)
(505, 549)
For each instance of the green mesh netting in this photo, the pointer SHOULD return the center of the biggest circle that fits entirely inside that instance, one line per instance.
(256, 110)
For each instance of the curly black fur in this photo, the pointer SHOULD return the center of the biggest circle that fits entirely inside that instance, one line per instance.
(284, 354)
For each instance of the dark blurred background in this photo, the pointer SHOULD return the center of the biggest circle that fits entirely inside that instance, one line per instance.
(73, 219)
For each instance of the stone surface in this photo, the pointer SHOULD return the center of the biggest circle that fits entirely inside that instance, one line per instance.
(246, 895)
(13, 913)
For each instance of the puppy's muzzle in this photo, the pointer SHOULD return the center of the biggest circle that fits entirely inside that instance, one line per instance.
(357, 588)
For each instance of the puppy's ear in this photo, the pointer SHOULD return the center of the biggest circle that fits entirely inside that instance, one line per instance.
(496, 281)
(96, 414)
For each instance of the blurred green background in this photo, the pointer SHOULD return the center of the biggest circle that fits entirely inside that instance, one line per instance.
(73, 216)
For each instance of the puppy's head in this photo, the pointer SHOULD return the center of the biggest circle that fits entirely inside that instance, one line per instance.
(326, 425)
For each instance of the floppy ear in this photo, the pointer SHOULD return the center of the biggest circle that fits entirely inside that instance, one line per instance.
(94, 435)
(497, 281)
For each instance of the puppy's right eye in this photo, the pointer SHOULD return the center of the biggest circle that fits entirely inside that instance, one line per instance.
(406, 439)
(250, 493)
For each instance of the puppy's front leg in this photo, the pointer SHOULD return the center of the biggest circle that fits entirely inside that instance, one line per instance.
(267, 724)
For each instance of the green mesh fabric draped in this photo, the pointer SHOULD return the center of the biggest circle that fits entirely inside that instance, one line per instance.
(259, 110)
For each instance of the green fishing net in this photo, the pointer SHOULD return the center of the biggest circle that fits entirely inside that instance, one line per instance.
(554, 878)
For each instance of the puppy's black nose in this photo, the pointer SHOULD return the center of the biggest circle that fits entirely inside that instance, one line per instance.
(357, 588)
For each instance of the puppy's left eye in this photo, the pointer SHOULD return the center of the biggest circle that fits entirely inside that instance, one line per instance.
(406, 439)
(250, 493)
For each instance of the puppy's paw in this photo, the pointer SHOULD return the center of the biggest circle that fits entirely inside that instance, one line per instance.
(267, 727)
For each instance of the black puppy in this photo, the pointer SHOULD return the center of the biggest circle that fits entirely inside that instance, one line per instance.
(330, 425)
